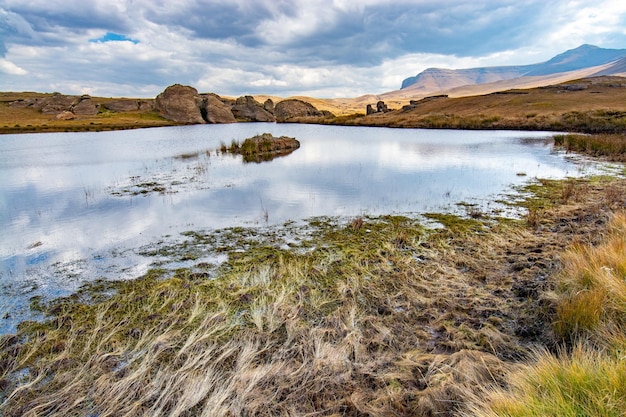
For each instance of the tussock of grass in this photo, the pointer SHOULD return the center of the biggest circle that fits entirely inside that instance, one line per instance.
(592, 287)
(584, 382)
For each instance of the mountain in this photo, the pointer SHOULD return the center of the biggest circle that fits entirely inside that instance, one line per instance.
(585, 56)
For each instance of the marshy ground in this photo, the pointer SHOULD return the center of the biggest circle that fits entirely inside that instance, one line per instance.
(377, 316)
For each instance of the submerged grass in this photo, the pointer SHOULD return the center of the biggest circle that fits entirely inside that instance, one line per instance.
(378, 316)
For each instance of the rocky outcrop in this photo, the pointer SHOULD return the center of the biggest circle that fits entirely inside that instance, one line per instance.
(57, 103)
(249, 110)
(269, 105)
(126, 105)
(292, 108)
(381, 107)
(216, 110)
(85, 106)
(180, 104)
(183, 104)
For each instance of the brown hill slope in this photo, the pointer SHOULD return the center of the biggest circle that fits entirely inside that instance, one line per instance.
(596, 104)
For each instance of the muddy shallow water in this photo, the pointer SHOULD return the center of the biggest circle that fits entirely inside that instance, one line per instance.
(79, 206)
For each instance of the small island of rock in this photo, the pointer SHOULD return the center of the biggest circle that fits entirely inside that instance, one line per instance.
(263, 147)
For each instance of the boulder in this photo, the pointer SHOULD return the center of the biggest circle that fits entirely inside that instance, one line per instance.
(381, 107)
(86, 106)
(181, 104)
(249, 110)
(290, 108)
(215, 110)
(146, 105)
(65, 115)
(28, 102)
(269, 105)
(57, 103)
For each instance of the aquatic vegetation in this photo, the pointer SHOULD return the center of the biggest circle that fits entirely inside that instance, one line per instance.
(610, 146)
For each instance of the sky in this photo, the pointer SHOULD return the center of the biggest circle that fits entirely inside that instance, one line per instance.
(325, 49)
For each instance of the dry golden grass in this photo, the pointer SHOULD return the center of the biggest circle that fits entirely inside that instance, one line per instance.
(599, 108)
(589, 378)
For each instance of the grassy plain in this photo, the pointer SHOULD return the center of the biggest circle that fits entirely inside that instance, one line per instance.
(30, 120)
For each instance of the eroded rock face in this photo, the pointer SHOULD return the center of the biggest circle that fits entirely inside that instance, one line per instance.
(288, 109)
(249, 110)
(181, 104)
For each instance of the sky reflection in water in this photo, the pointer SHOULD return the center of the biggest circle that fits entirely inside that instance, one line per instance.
(74, 206)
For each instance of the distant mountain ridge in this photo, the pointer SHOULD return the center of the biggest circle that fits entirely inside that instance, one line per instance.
(585, 56)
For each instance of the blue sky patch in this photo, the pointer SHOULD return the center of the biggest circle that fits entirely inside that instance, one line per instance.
(114, 37)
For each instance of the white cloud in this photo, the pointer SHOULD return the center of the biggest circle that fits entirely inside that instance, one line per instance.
(8, 67)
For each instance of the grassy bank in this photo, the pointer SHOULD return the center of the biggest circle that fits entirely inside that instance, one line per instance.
(588, 376)
(380, 316)
(611, 147)
(31, 120)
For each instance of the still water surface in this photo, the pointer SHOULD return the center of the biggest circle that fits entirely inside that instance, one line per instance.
(73, 206)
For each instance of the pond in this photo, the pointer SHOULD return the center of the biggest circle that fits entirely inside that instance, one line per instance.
(78, 206)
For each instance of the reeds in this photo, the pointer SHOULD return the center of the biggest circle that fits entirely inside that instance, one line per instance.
(610, 146)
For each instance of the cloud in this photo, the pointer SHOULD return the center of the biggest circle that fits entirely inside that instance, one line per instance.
(284, 47)
(8, 67)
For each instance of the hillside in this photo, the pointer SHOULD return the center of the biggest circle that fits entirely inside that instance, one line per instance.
(594, 104)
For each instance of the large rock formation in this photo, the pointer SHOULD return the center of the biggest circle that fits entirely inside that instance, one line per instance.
(288, 109)
(57, 103)
(249, 110)
(85, 106)
(181, 104)
(215, 110)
